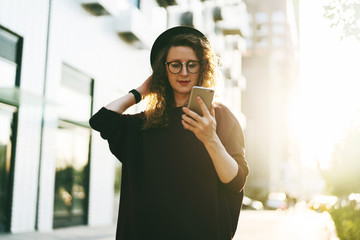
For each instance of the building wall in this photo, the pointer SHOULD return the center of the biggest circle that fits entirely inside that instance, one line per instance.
(29, 20)
(271, 70)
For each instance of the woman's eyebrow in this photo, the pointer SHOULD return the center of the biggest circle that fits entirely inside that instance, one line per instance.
(178, 60)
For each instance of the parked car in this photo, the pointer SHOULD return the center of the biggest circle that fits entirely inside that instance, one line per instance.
(322, 203)
(252, 204)
(276, 200)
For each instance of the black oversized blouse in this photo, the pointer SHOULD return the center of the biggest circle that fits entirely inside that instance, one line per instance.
(170, 189)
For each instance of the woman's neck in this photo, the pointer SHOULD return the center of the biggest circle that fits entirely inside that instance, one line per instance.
(181, 99)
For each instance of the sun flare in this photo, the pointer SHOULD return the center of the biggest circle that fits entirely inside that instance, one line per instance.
(328, 99)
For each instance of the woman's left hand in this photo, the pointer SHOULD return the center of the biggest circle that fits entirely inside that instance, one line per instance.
(204, 127)
(205, 130)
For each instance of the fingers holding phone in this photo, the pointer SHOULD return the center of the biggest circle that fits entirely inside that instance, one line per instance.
(204, 108)
(199, 116)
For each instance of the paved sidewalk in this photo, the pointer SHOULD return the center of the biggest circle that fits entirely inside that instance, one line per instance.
(295, 224)
(71, 233)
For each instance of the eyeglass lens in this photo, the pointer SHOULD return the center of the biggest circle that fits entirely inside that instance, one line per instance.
(191, 66)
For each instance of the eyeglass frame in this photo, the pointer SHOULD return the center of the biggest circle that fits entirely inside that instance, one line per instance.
(187, 66)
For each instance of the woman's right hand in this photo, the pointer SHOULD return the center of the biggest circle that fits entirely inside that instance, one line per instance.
(144, 89)
(121, 104)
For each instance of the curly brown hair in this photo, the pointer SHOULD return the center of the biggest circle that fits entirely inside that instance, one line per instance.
(161, 98)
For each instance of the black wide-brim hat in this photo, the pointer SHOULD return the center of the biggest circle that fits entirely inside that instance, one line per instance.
(164, 38)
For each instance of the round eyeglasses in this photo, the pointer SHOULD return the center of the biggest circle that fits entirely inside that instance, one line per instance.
(191, 66)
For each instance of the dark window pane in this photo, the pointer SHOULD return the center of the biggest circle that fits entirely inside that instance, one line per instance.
(72, 150)
(6, 121)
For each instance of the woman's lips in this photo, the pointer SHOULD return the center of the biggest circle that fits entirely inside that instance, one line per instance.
(183, 82)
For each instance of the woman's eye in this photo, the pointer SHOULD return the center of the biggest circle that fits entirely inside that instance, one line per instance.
(192, 64)
(176, 65)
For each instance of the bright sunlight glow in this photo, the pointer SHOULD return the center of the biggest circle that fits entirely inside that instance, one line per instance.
(328, 97)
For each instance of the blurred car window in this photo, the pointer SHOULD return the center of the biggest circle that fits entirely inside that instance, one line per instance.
(251, 204)
(276, 200)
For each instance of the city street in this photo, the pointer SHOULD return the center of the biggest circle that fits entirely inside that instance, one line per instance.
(296, 224)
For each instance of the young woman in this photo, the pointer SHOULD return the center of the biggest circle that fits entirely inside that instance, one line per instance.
(183, 174)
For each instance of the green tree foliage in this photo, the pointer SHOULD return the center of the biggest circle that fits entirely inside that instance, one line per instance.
(343, 177)
(346, 15)
(347, 222)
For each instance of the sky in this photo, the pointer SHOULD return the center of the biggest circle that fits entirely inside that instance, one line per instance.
(327, 102)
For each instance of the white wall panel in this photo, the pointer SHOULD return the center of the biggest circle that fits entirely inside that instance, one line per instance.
(29, 20)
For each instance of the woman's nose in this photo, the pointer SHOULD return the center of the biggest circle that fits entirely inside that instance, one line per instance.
(184, 70)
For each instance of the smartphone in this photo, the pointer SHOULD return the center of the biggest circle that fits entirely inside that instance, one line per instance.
(206, 94)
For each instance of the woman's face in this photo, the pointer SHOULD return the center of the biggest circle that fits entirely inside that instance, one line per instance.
(183, 81)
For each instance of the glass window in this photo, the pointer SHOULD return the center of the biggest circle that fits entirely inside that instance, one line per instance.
(262, 30)
(278, 29)
(262, 42)
(72, 148)
(9, 60)
(75, 95)
(278, 17)
(261, 17)
(71, 179)
(135, 3)
(7, 127)
(9, 45)
(7, 73)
